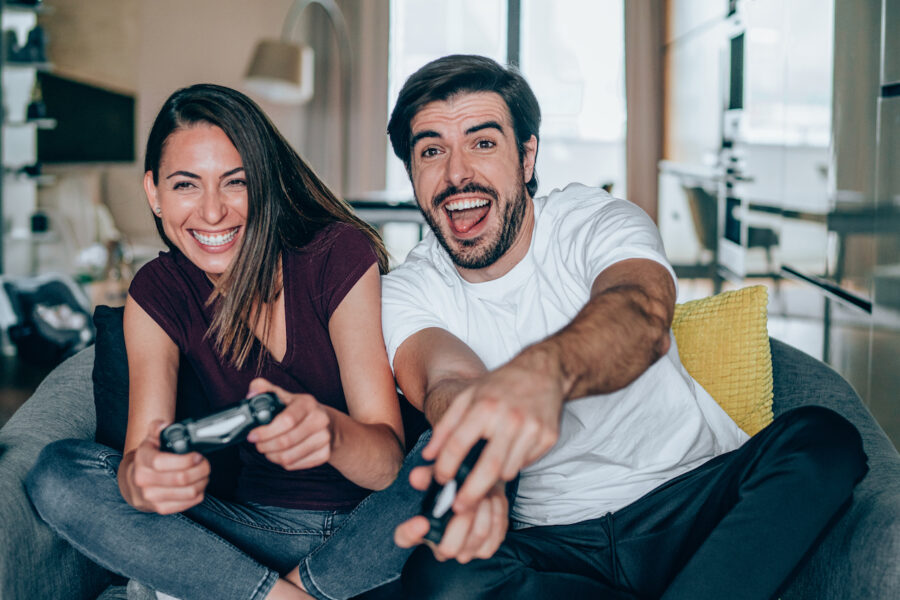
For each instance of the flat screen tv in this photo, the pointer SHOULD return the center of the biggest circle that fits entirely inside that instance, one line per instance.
(93, 124)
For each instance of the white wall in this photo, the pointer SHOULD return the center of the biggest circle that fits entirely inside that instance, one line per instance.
(150, 49)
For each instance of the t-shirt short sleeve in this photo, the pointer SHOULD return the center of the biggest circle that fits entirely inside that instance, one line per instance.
(406, 303)
(345, 256)
(158, 288)
(607, 230)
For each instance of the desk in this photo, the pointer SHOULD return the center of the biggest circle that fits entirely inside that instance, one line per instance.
(380, 212)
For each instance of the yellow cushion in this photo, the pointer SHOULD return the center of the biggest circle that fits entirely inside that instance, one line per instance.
(724, 345)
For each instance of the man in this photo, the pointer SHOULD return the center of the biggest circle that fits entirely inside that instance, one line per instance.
(542, 326)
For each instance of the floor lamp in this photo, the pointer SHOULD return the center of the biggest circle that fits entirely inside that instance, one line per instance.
(282, 71)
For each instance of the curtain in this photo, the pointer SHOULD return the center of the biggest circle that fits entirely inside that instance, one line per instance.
(644, 39)
(351, 162)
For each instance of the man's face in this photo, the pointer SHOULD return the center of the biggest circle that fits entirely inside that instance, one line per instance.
(469, 179)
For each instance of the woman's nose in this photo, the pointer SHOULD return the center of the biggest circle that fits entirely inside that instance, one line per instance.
(213, 207)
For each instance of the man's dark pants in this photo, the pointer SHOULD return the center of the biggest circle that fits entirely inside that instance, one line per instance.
(735, 527)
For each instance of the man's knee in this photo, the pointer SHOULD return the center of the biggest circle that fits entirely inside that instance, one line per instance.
(426, 578)
(827, 442)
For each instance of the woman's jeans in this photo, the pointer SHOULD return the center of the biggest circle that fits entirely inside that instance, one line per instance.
(217, 549)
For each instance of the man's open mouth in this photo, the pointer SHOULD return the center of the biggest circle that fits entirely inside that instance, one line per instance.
(464, 214)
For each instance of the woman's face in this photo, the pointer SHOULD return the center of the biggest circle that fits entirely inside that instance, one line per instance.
(201, 196)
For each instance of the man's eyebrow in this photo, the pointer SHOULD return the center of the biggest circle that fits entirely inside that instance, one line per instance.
(428, 133)
(485, 125)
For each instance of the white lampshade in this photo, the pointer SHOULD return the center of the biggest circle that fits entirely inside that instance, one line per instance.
(282, 72)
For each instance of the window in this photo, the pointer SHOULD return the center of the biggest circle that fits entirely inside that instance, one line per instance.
(572, 54)
(423, 30)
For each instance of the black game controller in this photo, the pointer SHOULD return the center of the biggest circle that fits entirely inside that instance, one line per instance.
(224, 428)
(438, 502)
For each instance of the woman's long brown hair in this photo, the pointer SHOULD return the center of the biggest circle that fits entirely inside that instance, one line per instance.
(287, 205)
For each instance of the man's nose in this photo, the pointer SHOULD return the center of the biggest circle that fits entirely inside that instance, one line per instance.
(459, 169)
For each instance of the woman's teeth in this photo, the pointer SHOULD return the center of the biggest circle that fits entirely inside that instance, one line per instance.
(215, 239)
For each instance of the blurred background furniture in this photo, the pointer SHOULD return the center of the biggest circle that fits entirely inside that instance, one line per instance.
(704, 209)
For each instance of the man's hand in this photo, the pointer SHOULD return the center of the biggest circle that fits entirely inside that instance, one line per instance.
(300, 437)
(473, 534)
(163, 482)
(516, 408)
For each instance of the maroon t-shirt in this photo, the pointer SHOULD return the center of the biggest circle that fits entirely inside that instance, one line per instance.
(173, 291)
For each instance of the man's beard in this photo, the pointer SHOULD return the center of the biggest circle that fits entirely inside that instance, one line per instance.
(492, 250)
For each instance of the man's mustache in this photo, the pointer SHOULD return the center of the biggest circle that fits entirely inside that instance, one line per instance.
(469, 188)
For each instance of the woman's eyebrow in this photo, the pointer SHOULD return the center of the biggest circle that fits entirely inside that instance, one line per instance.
(184, 173)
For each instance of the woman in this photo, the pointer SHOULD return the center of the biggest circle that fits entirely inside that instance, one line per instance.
(270, 284)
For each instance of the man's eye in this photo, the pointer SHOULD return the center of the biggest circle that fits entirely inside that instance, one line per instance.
(429, 152)
(486, 144)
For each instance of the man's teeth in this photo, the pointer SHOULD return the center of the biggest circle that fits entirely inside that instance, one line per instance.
(465, 204)
(216, 239)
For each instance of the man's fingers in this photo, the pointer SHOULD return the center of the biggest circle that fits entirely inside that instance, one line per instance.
(478, 423)
(455, 535)
(499, 514)
(486, 472)
(478, 533)
(519, 451)
(447, 425)
(412, 532)
(420, 477)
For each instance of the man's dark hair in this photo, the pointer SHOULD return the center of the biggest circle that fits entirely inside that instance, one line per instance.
(446, 77)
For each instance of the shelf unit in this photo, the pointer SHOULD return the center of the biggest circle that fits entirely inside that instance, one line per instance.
(18, 149)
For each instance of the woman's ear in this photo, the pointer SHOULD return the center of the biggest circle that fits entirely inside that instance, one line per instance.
(151, 192)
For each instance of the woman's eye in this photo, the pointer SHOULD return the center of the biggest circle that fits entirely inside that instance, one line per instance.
(237, 183)
(182, 185)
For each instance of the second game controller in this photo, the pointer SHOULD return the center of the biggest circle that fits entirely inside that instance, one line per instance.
(438, 502)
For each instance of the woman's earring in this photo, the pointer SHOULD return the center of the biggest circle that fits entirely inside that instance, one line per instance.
(157, 210)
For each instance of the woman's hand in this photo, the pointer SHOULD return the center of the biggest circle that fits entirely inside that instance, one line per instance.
(162, 482)
(302, 436)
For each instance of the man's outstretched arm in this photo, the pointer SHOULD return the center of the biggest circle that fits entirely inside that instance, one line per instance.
(620, 332)
(432, 367)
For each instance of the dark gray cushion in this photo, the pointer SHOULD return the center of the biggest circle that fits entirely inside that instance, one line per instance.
(110, 378)
(858, 556)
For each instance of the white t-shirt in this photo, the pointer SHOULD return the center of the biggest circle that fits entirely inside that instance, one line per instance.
(612, 448)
